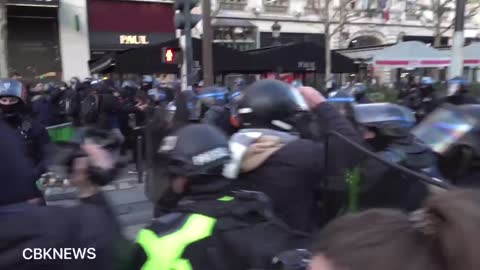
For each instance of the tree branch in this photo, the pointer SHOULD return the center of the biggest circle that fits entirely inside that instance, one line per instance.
(342, 24)
(447, 28)
(444, 4)
(344, 7)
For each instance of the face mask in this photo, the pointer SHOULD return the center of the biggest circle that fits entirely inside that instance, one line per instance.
(9, 110)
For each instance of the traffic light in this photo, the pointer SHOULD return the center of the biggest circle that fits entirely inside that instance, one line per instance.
(171, 55)
(184, 16)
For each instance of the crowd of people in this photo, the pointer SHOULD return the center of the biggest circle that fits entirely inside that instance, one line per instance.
(255, 180)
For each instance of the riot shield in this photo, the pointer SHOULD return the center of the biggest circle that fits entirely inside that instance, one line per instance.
(358, 178)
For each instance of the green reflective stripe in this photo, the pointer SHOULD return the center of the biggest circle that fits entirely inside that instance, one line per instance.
(226, 199)
(165, 252)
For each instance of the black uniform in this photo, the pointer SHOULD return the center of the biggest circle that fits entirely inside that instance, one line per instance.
(37, 142)
(290, 172)
(461, 98)
(385, 187)
(241, 232)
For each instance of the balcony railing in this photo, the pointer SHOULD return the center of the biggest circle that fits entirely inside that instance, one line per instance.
(233, 4)
(278, 6)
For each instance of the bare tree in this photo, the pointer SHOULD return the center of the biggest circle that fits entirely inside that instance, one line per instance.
(334, 20)
(441, 9)
(3, 39)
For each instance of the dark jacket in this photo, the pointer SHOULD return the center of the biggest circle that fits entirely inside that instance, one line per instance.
(245, 234)
(385, 187)
(88, 225)
(44, 110)
(461, 98)
(36, 141)
(291, 173)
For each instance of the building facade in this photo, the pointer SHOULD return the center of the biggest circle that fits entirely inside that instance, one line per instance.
(370, 22)
(55, 39)
(367, 23)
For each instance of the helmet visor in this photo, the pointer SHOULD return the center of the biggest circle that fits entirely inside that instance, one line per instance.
(443, 128)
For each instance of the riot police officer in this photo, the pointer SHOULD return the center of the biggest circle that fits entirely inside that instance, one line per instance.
(386, 128)
(458, 93)
(209, 227)
(271, 156)
(453, 132)
(215, 109)
(34, 135)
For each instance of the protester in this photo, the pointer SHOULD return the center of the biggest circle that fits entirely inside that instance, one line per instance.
(443, 235)
(25, 226)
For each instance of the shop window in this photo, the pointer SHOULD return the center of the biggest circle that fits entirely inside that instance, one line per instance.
(411, 10)
(276, 5)
(233, 4)
(240, 38)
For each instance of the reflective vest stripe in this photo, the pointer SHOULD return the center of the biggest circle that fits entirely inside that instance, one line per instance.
(164, 252)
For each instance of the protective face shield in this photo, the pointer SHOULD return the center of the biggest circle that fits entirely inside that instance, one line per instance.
(446, 127)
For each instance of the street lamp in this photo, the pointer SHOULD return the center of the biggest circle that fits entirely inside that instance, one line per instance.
(276, 27)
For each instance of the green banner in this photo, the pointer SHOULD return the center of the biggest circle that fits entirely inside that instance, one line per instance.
(61, 133)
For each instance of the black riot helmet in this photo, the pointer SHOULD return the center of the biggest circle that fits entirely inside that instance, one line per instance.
(453, 132)
(196, 150)
(270, 104)
(389, 120)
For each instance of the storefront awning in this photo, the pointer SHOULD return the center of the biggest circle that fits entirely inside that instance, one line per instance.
(148, 59)
(34, 3)
(300, 57)
(410, 54)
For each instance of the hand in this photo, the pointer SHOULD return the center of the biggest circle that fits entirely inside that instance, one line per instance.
(312, 96)
(80, 177)
(141, 107)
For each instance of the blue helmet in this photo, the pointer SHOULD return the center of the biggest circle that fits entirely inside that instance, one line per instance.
(389, 119)
(459, 81)
(11, 88)
(213, 96)
(426, 81)
(157, 95)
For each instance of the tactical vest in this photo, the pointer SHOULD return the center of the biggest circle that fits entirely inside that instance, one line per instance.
(165, 251)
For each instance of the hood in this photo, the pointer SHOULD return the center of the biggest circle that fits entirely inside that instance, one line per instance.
(252, 147)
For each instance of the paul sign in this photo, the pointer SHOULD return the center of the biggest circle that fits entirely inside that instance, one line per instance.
(133, 40)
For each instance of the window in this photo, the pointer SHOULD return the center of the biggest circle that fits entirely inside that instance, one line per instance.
(411, 10)
(313, 4)
(234, 1)
(233, 4)
(240, 38)
(276, 5)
